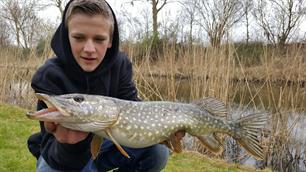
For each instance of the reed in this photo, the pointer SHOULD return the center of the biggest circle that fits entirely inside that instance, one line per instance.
(199, 71)
(275, 83)
(16, 70)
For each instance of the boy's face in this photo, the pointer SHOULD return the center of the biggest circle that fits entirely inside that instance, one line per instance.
(89, 38)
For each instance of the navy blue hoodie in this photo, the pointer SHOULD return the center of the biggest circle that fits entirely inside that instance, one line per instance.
(62, 75)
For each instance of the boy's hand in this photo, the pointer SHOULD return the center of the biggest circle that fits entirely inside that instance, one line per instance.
(179, 135)
(65, 135)
(174, 142)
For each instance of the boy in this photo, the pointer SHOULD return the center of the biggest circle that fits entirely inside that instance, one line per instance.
(87, 61)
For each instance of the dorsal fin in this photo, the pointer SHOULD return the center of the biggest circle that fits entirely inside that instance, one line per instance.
(213, 106)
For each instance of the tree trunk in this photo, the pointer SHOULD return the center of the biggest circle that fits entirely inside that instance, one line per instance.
(247, 27)
(17, 33)
(154, 15)
(190, 32)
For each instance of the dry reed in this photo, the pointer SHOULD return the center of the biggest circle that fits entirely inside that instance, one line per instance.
(276, 84)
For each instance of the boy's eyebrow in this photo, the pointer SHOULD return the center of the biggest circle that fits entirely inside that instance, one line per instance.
(81, 34)
(101, 36)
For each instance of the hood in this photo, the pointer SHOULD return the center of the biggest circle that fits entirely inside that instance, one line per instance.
(61, 47)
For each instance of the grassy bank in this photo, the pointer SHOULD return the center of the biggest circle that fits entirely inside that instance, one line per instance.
(195, 162)
(15, 129)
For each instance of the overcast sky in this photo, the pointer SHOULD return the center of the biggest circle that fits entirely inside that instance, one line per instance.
(53, 13)
(123, 7)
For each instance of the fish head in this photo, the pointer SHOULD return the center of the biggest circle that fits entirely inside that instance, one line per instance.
(75, 108)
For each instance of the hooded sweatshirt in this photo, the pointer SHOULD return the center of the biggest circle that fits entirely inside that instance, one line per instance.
(62, 75)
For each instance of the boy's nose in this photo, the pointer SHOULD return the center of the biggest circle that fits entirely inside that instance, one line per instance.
(89, 46)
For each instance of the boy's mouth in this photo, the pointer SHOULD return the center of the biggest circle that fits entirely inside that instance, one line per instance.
(89, 58)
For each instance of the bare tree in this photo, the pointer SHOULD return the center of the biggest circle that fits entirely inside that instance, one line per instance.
(247, 8)
(134, 28)
(170, 29)
(216, 17)
(279, 19)
(4, 33)
(188, 15)
(22, 19)
(157, 6)
(60, 4)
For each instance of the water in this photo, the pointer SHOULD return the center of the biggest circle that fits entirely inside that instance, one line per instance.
(20, 93)
(285, 104)
(295, 153)
(296, 144)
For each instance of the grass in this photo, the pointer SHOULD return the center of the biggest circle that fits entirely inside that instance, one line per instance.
(196, 162)
(15, 129)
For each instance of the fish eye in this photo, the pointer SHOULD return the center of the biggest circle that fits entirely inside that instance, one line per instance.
(78, 99)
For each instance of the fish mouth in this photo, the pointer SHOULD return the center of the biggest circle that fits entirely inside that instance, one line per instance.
(54, 111)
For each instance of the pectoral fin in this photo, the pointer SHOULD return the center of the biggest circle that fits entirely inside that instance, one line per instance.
(117, 145)
(211, 142)
(95, 146)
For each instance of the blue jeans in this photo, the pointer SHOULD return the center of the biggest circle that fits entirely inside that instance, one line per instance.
(42, 166)
(150, 159)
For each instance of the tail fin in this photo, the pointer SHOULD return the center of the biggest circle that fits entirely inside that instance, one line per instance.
(249, 127)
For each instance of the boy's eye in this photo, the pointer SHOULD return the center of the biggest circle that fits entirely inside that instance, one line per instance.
(100, 39)
(78, 37)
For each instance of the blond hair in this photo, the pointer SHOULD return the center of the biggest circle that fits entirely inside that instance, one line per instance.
(90, 7)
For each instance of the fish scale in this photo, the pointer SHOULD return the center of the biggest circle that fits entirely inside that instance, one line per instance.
(142, 124)
(154, 130)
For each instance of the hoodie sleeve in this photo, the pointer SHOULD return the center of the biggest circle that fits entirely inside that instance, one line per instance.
(64, 156)
(58, 155)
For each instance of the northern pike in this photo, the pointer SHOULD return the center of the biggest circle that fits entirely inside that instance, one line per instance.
(145, 123)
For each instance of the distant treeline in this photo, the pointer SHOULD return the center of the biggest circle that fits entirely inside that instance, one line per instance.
(196, 22)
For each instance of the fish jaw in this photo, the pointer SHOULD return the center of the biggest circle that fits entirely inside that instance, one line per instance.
(48, 114)
(78, 111)
(53, 112)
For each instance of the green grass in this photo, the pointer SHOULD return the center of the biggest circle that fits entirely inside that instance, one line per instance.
(196, 162)
(15, 129)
